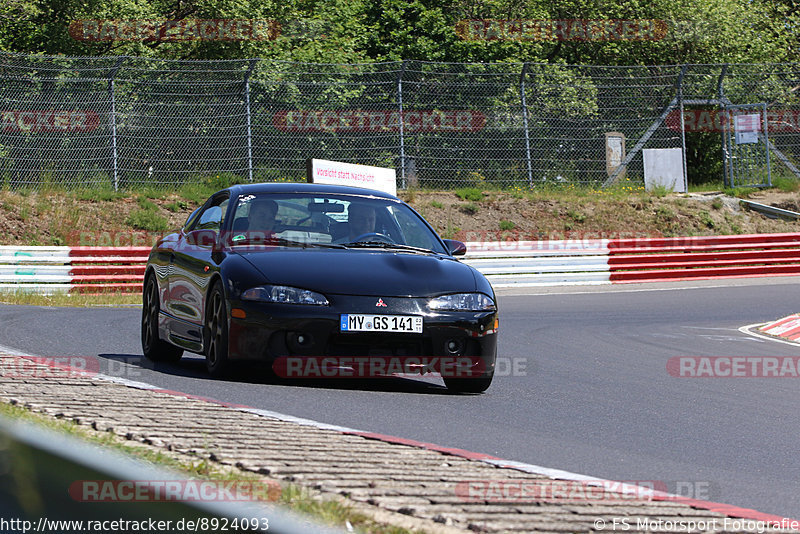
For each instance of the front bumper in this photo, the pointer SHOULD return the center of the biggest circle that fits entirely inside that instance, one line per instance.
(281, 333)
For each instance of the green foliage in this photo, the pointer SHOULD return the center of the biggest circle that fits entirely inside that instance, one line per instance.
(738, 192)
(706, 219)
(352, 31)
(507, 225)
(145, 204)
(717, 204)
(436, 204)
(660, 191)
(147, 220)
(785, 183)
(470, 209)
(99, 194)
(176, 206)
(576, 215)
(469, 193)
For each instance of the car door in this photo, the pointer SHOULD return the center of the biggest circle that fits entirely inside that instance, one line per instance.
(194, 263)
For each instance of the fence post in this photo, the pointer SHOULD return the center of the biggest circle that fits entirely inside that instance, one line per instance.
(249, 130)
(683, 128)
(402, 136)
(525, 123)
(113, 120)
(726, 179)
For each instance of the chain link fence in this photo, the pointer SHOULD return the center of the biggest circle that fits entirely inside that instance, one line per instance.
(124, 122)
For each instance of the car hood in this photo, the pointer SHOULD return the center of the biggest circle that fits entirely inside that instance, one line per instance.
(363, 272)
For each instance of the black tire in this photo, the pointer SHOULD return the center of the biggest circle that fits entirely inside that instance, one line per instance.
(215, 332)
(468, 385)
(153, 347)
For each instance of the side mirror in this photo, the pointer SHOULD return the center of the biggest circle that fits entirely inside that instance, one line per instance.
(202, 238)
(456, 248)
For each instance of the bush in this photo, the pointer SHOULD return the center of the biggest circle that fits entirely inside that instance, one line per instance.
(469, 193)
(147, 220)
(470, 209)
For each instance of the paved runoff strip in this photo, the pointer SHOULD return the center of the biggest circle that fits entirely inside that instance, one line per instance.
(419, 486)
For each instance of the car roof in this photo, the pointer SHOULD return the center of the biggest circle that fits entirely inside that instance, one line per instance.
(303, 187)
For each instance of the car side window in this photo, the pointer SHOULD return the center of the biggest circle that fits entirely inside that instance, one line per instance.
(211, 217)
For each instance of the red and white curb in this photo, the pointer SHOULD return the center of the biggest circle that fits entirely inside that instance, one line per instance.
(786, 328)
(557, 474)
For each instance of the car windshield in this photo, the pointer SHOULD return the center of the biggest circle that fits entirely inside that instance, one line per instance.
(313, 219)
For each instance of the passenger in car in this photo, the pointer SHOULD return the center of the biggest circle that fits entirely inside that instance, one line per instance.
(262, 215)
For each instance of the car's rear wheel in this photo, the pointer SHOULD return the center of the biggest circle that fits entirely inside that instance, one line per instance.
(468, 385)
(215, 332)
(153, 347)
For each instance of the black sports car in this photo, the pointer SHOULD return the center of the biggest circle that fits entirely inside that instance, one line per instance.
(319, 281)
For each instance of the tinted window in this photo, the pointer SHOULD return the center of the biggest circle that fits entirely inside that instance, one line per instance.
(341, 219)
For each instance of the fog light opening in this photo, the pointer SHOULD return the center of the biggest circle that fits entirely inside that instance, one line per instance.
(454, 346)
(299, 341)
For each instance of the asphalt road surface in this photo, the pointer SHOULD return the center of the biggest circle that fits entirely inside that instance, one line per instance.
(591, 393)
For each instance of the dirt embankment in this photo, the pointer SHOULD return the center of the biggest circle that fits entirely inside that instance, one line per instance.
(74, 219)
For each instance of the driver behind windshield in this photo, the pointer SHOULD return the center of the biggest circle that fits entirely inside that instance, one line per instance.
(360, 221)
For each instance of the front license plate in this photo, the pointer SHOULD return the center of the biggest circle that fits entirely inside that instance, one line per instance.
(381, 323)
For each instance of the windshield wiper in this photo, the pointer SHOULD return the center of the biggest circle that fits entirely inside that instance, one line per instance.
(282, 242)
(379, 244)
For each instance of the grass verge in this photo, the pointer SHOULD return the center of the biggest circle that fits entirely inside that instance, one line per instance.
(71, 300)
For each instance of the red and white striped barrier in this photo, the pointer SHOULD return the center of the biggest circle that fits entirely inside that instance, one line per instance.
(704, 257)
(72, 269)
(505, 263)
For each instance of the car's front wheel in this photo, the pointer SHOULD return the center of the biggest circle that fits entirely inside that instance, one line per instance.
(153, 347)
(215, 332)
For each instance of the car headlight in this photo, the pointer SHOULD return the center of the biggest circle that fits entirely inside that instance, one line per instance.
(284, 295)
(462, 302)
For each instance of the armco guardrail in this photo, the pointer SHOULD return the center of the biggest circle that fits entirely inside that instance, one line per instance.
(505, 263)
(532, 263)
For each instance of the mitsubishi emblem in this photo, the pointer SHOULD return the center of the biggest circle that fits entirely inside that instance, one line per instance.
(380, 303)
